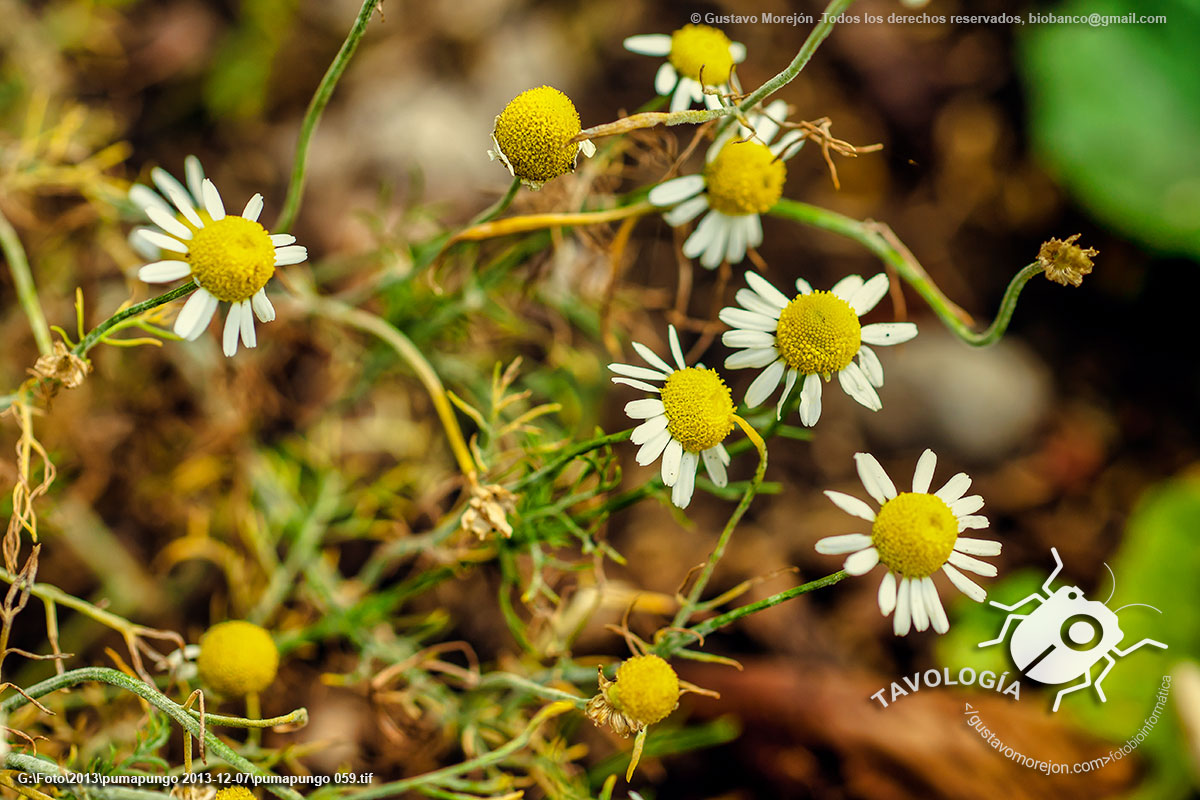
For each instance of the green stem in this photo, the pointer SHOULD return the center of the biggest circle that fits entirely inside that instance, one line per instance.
(497, 208)
(882, 242)
(37, 766)
(98, 332)
(576, 451)
(159, 701)
(22, 277)
(316, 106)
(815, 37)
(709, 625)
(297, 718)
(526, 685)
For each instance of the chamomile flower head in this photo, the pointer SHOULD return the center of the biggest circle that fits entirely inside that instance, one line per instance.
(646, 691)
(914, 535)
(235, 793)
(685, 424)
(742, 179)
(533, 134)
(699, 57)
(813, 335)
(230, 258)
(237, 658)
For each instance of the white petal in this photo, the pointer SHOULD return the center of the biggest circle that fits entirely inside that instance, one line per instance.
(588, 148)
(665, 79)
(847, 286)
(874, 479)
(788, 384)
(683, 94)
(751, 358)
(766, 383)
(645, 387)
(869, 294)
(740, 318)
(916, 596)
(233, 328)
(174, 191)
(632, 371)
(254, 207)
(704, 235)
(902, 621)
(766, 125)
(649, 44)
(281, 239)
(964, 584)
(652, 358)
(713, 101)
(854, 382)
(164, 271)
(754, 235)
(862, 562)
(653, 448)
(723, 453)
(869, 362)
(887, 593)
(845, 543)
(966, 505)
(212, 200)
(292, 254)
(167, 221)
(923, 474)
(681, 493)
(977, 547)
(738, 339)
(972, 522)
(810, 400)
(141, 246)
(193, 171)
(714, 253)
(851, 505)
(766, 291)
(972, 564)
(676, 190)
(883, 334)
(672, 457)
(144, 197)
(686, 211)
(162, 241)
(751, 301)
(262, 306)
(676, 350)
(715, 466)
(735, 248)
(933, 604)
(195, 315)
(803, 286)
(649, 429)
(249, 335)
(737, 51)
(955, 488)
(645, 408)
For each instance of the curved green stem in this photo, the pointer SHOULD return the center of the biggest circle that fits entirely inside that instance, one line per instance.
(159, 701)
(22, 277)
(98, 332)
(497, 208)
(880, 240)
(576, 451)
(316, 106)
(709, 625)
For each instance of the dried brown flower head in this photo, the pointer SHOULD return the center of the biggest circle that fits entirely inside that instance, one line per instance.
(488, 511)
(62, 365)
(1066, 262)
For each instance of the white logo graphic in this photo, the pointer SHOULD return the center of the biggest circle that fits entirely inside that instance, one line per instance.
(1065, 636)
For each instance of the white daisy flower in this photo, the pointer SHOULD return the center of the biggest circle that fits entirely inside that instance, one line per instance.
(743, 178)
(230, 258)
(814, 335)
(694, 53)
(685, 423)
(914, 535)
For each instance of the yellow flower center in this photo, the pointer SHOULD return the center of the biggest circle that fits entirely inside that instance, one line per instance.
(237, 658)
(532, 133)
(699, 47)
(818, 333)
(647, 689)
(232, 258)
(914, 534)
(699, 408)
(744, 178)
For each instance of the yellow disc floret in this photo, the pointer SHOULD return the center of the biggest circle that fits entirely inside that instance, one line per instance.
(744, 178)
(699, 408)
(232, 258)
(235, 793)
(702, 54)
(532, 133)
(647, 689)
(237, 658)
(914, 534)
(818, 333)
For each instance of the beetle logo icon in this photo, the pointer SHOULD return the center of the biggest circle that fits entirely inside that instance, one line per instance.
(1065, 636)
